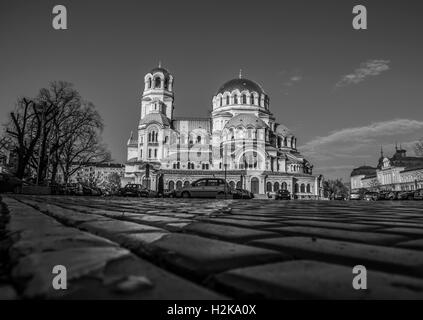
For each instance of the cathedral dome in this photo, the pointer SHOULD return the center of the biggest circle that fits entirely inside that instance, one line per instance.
(240, 84)
(246, 120)
(283, 131)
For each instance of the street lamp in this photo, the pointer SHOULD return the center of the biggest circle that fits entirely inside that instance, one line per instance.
(225, 165)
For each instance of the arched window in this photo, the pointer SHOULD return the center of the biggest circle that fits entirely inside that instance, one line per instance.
(284, 186)
(235, 99)
(221, 101)
(308, 188)
(178, 185)
(238, 185)
(232, 185)
(157, 82)
(244, 99)
(186, 184)
(269, 187)
(198, 139)
(227, 100)
(171, 185)
(276, 186)
(149, 83)
(252, 99)
(149, 136)
(302, 188)
(166, 84)
(155, 153)
(296, 188)
(149, 153)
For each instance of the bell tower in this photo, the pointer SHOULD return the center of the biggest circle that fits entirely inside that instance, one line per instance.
(158, 94)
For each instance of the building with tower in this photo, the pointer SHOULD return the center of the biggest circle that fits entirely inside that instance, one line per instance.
(397, 173)
(241, 141)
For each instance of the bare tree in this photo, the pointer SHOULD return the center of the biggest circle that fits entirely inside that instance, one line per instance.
(332, 188)
(24, 128)
(84, 148)
(55, 131)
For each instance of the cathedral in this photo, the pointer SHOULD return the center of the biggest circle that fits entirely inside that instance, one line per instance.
(241, 141)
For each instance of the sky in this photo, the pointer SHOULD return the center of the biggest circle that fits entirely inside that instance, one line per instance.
(343, 92)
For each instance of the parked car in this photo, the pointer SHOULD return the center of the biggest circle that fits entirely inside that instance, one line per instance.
(338, 197)
(9, 183)
(393, 195)
(406, 195)
(136, 190)
(371, 196)
(283, 195)
(169, 194)
(418, 194)
(205, 188)
(239, 193)
(383, 195)
(356, 196)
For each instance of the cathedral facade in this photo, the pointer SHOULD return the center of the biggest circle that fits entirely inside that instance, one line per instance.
(241, 141)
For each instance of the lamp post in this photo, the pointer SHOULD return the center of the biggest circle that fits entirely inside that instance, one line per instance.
(225, 165)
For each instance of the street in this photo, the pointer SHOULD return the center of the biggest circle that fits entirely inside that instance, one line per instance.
(146, 248)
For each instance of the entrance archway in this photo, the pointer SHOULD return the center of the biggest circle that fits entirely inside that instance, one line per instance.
(255, 185)
(160, 185)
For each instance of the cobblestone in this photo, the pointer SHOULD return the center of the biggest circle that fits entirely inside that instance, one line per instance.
(129, 248)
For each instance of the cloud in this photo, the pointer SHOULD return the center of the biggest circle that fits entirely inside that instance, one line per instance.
(291, 77)
(366, 69)
(293, 80)
(348, 142)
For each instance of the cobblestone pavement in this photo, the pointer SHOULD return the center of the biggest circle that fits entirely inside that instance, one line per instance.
(209, 249)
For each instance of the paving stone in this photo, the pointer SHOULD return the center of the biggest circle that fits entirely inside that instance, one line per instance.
(107, 284)
(315, 280)
(200, 257)
(355, 236)
(378, 257)
(30, 243)
(231, 233)
(69, 217)
(240, 223)
(78, 261)
(112, 228)
(413, 244)
(334, 225)
(406, 231)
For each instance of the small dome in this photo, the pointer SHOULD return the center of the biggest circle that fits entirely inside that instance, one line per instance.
(162, 70)
(283, 131)
(155, 117)
(246, 120)
(241, 84)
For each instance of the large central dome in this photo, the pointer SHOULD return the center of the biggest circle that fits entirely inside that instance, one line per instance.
(241, 84)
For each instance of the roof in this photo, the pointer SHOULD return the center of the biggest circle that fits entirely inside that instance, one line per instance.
(363, 170)
(413, 169)
(155, 117)
(245, 120)
(160, 69)
(241, 84)
(282, 130)
(407, 162)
